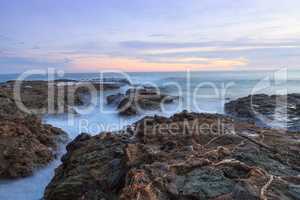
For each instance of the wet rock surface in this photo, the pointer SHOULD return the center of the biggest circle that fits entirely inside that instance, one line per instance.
(113, 80)
(93, 169)
(186, 156)
(36, 95)
(267, 109)
(114, 99)
(25, 143)
(139, 99)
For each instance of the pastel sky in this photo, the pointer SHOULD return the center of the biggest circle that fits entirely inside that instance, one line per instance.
(149, 35)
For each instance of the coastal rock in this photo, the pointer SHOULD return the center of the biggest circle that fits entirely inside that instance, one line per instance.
(138, 99)
(25, 143)
(65, 94)
(113, 80)
(93, 168)
(186, 156)
(114, 98)
(8, 108)
(34, 95)
(264, 109)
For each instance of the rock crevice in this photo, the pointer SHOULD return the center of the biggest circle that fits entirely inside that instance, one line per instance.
(150, 163)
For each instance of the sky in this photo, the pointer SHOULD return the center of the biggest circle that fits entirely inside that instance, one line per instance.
(149, 35)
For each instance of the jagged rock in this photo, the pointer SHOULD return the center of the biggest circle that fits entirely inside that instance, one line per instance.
(244, 190)
(35, 97)
(138, 99)
(93, 168)
(113, 80)
(66, 94)
(264, 109)
(186, 156)
(25, 143)
(114, 98)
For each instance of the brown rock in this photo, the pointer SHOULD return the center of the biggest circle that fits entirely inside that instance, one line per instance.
(25, 145)
(264, 108)
(154, 163)
(141, 98)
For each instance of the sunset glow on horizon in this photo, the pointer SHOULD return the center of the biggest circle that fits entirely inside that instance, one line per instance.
(83, 36)
(136, 65)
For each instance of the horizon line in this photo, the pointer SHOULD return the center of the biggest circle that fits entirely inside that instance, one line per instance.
(179, 71)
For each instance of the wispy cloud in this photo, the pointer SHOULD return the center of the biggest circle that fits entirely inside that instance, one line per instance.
(215, 49)
(13, 63)
(6, 41)
(160, 35)
(243, 42)
(135, 64)
(150, 35)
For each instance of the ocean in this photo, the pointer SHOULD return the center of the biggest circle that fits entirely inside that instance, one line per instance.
(198, 91)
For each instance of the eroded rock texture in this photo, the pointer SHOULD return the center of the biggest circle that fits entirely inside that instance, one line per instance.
(282, 110)
(56, 97)
(187, 156)
(25, 142)
(140, 99)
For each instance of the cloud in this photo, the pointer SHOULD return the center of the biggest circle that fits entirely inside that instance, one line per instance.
(36, 47)
(155, 55)
(193, 60)
(242, 47)
(154, 45)
(215, 49)
(6, 41)
(159, 35)
(136, 64)
(4, 37)
(243, 42)
(9, 64)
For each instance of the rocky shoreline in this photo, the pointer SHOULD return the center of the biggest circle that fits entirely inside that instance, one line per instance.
(162, 158)
(186, 156)
(65, 93)
(266, 109)
(139, 99)
(27, 144)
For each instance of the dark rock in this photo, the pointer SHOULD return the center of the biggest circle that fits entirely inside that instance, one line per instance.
(127, 107)
(139, 99)
(114, 99)
(244, 190)
(263, 109)
(122, 81)
(204, 183)
(25, 142)
(90, 171)
(35, 94)
(157, 165)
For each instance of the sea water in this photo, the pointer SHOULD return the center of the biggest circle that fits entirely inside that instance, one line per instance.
(199, 91)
